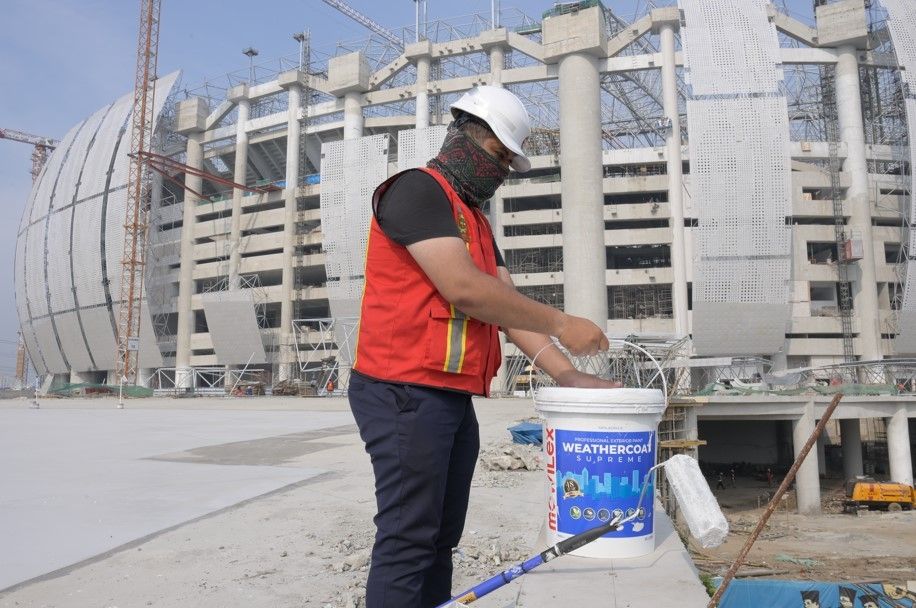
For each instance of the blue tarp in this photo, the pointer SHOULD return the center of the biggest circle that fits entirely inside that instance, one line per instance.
(757, 593)
(527, 433)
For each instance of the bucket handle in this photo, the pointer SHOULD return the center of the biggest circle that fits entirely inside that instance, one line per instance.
(660, 374)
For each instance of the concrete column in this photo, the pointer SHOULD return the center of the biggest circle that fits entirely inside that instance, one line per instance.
(852, 133)
(851, 441)
(79, 378)
(293, 137)
(240, 174)
(822, 455)
(183, 373)
(675, 178)
(423, 92)
(807, 482)
(143, 376)
(898, 446)
(353, 116)
(497, 61)
(581, 170)
(693, 429)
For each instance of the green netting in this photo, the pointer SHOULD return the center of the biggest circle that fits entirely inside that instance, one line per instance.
(99, 390)
(562, 8)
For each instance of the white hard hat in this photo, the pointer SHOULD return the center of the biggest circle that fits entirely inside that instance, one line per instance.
(504, 113)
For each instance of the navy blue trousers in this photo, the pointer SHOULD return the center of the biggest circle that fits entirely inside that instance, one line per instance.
(423, 444)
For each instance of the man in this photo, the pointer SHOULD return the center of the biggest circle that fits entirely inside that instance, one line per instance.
(869, 601)
(436, 293)
(811, 598)
(847, 597)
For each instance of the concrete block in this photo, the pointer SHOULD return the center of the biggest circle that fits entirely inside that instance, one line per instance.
(842, 23)
(417, 50)
(348, 73)
(578, 32)
(292, 77)
(498, 37)
(191, 115)
(237, 93)
(669, 15)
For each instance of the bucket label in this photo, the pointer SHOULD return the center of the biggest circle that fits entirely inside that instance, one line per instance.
(598, 476)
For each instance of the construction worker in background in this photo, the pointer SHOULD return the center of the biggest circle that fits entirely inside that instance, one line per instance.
(437, 290)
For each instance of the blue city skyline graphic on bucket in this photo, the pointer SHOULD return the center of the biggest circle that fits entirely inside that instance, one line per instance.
(600, 474)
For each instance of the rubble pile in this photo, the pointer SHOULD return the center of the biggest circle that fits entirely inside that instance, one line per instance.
(511, 457)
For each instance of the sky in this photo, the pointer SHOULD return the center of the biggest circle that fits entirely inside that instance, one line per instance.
(61, 60)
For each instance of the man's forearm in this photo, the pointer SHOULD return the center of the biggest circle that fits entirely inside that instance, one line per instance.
(549, 358)
(492, 301)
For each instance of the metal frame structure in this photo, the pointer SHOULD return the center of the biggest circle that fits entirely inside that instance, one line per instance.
(634, 122)
(318, 352)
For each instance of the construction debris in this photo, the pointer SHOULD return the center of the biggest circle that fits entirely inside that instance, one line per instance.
(511, 457)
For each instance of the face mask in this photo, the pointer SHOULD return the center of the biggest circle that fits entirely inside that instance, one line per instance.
(474, 173)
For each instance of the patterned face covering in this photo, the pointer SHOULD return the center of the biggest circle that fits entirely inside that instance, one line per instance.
(474, 173)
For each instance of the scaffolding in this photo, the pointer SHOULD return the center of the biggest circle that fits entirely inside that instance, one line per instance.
(640, 302)
(323, 353)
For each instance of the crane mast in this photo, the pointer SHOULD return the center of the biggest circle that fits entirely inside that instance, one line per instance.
(133, 260)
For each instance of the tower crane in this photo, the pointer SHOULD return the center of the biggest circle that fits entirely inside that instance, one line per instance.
(43, 146)
(365, 21)
(133, 260)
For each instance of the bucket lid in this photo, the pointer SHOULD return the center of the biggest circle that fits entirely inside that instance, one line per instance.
(599, 400)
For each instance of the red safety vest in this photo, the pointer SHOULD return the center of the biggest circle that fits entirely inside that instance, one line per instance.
(408, 332)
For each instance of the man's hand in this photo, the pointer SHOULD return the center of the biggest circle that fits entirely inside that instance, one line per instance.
(580, 336)
(575, 379)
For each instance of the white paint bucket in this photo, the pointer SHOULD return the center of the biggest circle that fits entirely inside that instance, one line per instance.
(599, 444)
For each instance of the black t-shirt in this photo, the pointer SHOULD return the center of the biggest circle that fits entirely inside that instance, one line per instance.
(414, 209)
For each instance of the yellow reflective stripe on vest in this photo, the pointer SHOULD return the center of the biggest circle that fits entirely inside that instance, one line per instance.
(456, 341)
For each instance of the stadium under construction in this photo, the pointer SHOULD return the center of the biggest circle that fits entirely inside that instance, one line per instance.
(730, 188)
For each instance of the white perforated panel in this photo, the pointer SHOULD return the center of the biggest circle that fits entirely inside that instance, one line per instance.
(76, 160)
(100, 334)
(95, 171)
(350, 172)
(87, 250)
(52, 267)
(59, 281)
(35, 272)
(150, 355)
(71, 341)
(114, 240)
(732, 47)
(902, 25)
(46, 187)
(47, 341)
(233, 327)
(19, 277)
(31, 345)
(417, 146)
(740, 175)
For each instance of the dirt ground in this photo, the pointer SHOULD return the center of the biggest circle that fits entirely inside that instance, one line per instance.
(870, 546)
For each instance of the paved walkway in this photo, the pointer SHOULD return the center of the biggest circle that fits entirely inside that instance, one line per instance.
(81, 480)
(77, 483)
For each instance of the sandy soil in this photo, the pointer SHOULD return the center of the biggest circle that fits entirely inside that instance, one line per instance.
(871, 546)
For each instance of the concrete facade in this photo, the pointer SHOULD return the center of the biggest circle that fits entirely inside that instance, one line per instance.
(604, 230)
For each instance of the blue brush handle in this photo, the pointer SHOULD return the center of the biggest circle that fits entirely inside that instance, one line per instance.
(492, 584)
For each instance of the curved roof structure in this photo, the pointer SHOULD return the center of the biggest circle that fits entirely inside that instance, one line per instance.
(69, 245)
